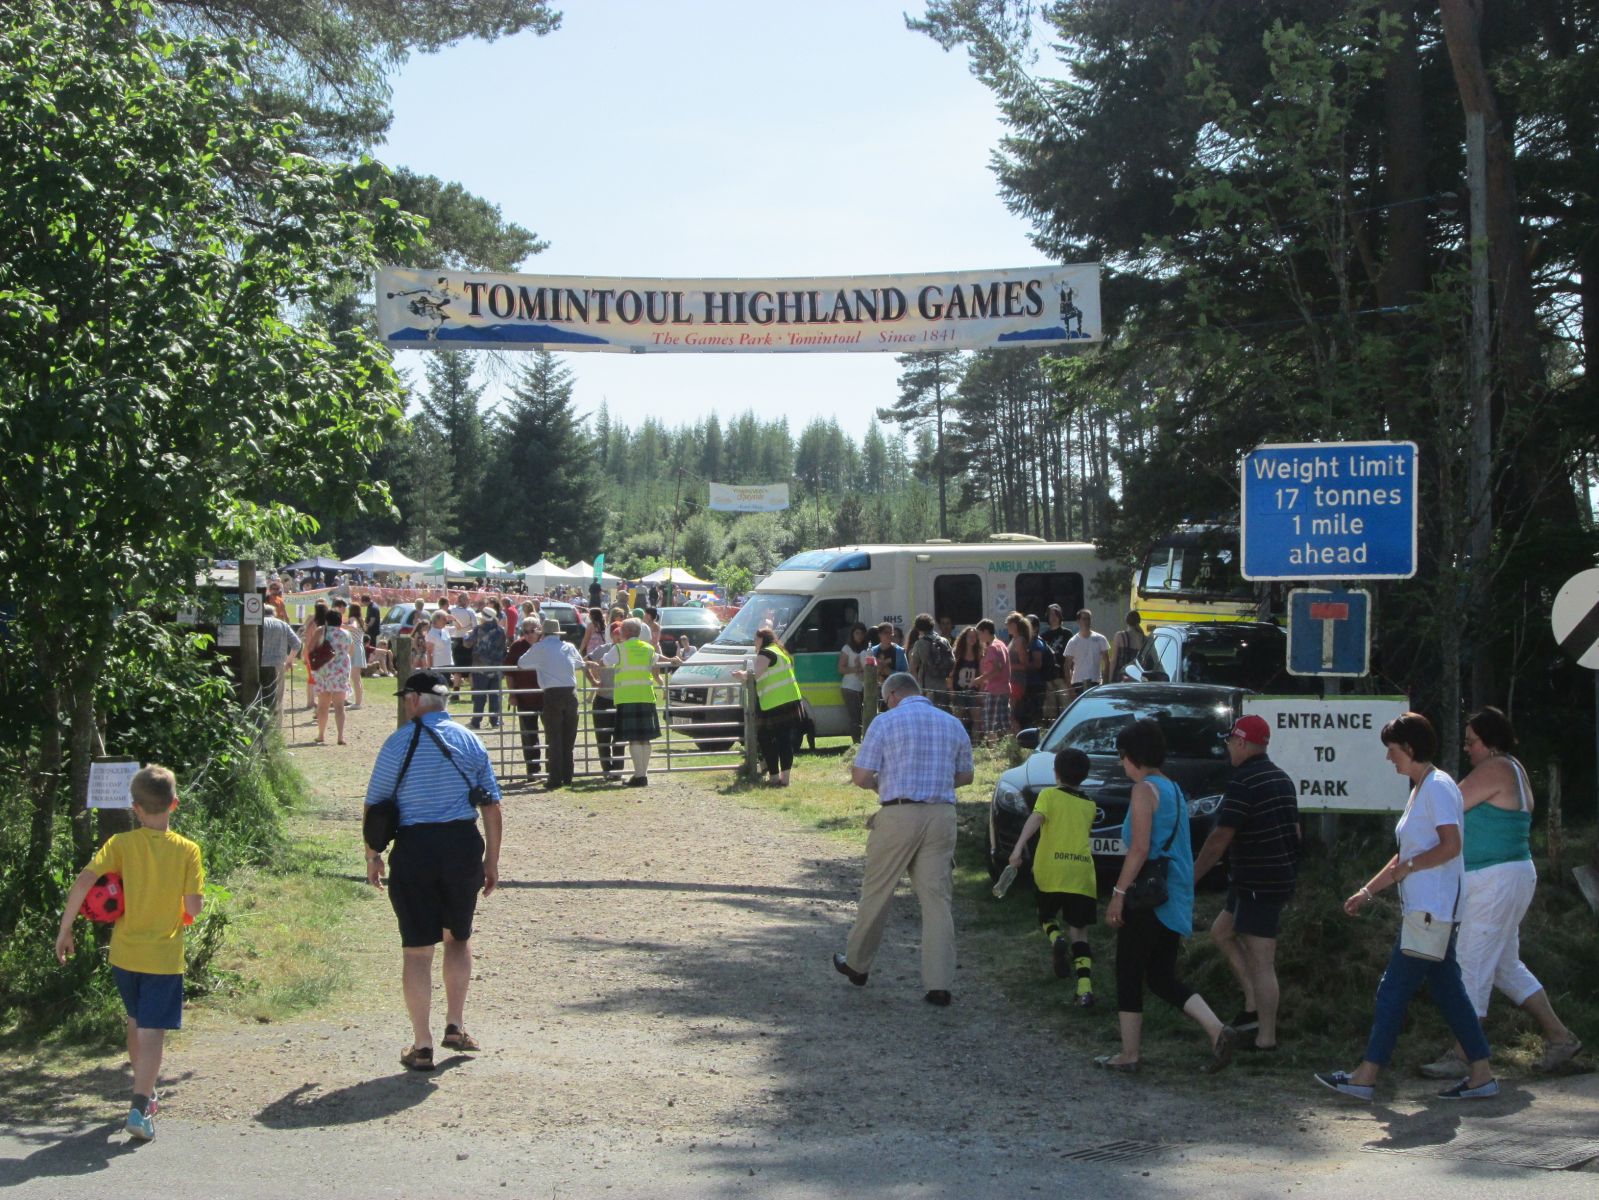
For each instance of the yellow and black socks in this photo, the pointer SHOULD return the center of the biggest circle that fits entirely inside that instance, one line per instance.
(1083, 960)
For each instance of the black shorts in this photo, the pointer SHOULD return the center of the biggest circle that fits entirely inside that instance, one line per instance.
(1255, 914)
(1079, 911)
(435, 874)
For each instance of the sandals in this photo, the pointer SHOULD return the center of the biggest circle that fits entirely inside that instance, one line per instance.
(1108, 1062)
(417, 1058)
(457, 1038)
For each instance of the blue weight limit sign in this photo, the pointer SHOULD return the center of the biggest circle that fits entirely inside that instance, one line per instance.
(1329, 632)
(1334, 510)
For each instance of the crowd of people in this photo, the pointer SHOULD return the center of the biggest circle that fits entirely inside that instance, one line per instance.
(995, 682)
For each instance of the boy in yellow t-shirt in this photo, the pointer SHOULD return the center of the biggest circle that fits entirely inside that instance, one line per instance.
(162, 880)
(1063, 870)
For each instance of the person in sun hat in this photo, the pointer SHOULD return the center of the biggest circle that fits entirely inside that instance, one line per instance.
(1257, 829)
(440, 778)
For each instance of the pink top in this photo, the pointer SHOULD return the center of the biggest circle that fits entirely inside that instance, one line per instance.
(996, 659)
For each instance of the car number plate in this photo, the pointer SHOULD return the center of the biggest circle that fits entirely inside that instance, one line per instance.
(1108, 845)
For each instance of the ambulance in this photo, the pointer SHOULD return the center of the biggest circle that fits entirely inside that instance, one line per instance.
(813, 599)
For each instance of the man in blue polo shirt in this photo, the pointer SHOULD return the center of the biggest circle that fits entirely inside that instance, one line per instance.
(440, 777)
(914, 756)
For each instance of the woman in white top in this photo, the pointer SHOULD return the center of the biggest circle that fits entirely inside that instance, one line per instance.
(1430, 876)
(850, 679)
(441, 632)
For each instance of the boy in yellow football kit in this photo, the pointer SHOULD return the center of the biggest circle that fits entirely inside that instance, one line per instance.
(1063, 870)
(162, 879)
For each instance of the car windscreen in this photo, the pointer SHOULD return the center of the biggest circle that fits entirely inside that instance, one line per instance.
(1230, 658)
(687, 616)
(777, 609)
(1193, 728)
(564, 613)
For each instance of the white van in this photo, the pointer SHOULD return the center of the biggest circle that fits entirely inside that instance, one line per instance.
(814, 598)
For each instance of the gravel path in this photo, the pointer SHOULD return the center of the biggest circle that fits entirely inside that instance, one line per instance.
(659, 1016)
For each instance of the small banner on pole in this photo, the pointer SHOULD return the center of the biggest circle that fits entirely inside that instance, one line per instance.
(899, 314)
(760, 497)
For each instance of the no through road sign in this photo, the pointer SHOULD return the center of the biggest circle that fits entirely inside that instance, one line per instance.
(1575, 618)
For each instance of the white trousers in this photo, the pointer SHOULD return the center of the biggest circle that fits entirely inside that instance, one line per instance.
(1489, 946)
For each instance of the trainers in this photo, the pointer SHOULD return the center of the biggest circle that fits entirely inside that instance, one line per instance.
(155, 1104)
(1339, 1082)
(139, 1126)
(1558, 1054)
(1085, 1000)
(1060, 956)
(1464, 1091)
(1246, 1021)
(1447, 1067)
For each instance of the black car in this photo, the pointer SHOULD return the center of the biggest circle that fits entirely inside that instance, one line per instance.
(571, 623)
(696, 626)
(1193, 716)
(1240, 654)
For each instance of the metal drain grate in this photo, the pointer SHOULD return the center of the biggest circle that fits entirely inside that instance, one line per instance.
(1544, 1152)
(1123, 1151)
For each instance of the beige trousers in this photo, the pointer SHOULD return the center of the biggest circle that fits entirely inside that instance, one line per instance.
(919, 838)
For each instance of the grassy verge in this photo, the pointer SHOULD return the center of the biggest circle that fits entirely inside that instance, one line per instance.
(1328, 964)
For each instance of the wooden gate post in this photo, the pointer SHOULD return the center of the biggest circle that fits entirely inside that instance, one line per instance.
(402, 672)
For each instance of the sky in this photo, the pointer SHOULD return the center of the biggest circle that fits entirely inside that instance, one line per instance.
(704, 138)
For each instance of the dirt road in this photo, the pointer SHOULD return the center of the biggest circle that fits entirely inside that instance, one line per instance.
(660, 1017)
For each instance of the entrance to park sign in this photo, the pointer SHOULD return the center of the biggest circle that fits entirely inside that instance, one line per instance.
(957, 310)
(1332, 749)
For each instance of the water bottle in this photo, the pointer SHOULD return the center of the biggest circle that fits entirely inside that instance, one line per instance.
(1006, 878)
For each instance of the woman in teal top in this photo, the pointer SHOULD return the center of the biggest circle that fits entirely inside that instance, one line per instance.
(1500, 880)
(1147, 940)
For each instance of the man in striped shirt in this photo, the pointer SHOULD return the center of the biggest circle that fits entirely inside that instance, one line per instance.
(279, 645)
(440, 777)
(1257, 828)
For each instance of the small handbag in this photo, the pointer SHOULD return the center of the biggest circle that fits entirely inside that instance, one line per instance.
(1149, 890)
(322, 655)
(381, 821)
(1425, 936)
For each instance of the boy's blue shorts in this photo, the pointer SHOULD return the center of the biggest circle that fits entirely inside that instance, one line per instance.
(153, 1001)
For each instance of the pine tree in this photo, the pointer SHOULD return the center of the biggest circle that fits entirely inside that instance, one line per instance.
(545, 469)
(454, 404)
(927, 384)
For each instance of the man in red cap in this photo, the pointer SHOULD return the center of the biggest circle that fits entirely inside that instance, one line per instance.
(1257, 827)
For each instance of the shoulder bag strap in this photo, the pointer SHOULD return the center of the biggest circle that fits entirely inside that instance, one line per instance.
(448, 757)
(1177, 796)
(416, 736)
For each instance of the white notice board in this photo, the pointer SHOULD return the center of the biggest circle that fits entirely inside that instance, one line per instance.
(1332, 749)
(108, 784)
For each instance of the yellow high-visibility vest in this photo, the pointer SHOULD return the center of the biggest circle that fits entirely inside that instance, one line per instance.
(634, 680)
(777, 685)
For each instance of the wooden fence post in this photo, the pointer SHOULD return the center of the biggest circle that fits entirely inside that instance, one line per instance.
(402, 672)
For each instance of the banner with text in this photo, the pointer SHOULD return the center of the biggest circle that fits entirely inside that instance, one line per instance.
(959, 310)
(761, 497)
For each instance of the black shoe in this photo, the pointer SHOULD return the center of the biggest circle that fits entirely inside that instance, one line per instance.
(841, 965)
(638, 781)
(939, 997)
(1060, 955)
(1245, 1022)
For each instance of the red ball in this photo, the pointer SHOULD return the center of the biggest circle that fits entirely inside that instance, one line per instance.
(106, 900)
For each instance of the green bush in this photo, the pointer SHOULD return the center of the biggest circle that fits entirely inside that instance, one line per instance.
(164, 701)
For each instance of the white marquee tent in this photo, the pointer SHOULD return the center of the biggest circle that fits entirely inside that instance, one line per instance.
(585, 569)
(680, 576)
(383, 558)
(545, 573)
